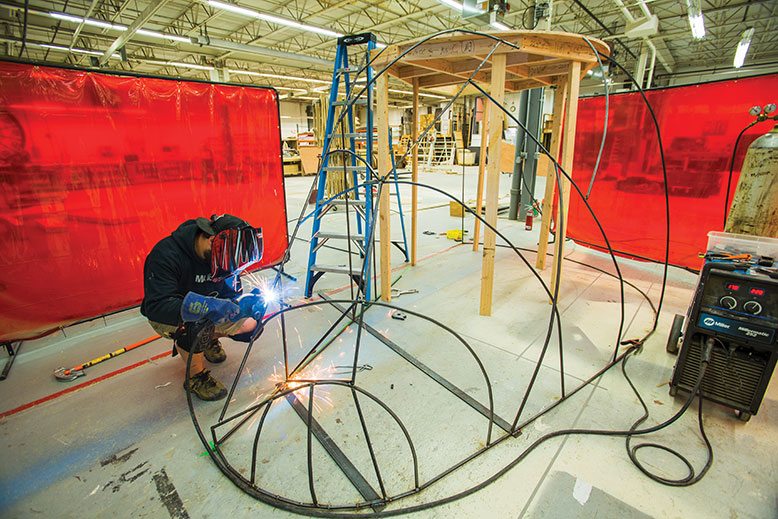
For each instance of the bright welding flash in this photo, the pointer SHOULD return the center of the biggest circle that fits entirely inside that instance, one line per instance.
(270, 296)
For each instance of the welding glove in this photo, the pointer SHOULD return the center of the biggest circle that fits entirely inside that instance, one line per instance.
(252, 304)
(230, 288)
(197, 307)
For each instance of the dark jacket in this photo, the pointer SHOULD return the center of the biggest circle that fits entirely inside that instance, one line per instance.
(172, 269)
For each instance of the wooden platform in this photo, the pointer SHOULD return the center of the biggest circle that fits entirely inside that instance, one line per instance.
(536, 59)
(517, 60)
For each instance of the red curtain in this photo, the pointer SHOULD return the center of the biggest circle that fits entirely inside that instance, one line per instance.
(96, 168)
(699, 125)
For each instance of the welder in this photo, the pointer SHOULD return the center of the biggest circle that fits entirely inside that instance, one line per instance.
(193, 293)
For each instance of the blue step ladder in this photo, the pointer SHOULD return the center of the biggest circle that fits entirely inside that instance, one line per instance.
(340, 134)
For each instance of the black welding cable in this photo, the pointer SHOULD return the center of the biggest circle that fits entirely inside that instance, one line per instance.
(607, 111)
(583, 198)
(691, 478)
(559, 169)
(636, 256)
(731, 168)
(666, 191)
(588, 265)
(24, 27)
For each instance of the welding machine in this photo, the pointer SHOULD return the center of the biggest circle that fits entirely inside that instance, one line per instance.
(736, 305)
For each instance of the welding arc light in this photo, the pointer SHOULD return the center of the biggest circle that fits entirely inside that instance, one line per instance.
(270, 296)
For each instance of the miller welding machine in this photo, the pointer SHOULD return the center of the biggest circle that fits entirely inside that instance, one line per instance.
(735, 308)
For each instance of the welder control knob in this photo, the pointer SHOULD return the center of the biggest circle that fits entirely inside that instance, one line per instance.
(728, 302)
(752, 307)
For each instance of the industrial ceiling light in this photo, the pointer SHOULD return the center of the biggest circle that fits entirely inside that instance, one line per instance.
(163, 36)
(116, 27)
(278, 76)
(273, 19)
(74, 49)
(496, 22)
(696, 21)
(180, 64)
(465, 7)
(87, 21)
(58, 48)
(252, 73)
(742, 47)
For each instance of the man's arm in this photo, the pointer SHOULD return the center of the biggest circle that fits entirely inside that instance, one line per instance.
(162, 299)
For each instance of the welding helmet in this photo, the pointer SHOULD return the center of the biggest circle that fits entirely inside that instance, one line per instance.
(236, 244)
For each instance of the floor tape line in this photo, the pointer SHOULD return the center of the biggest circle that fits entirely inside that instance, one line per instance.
(81, 386)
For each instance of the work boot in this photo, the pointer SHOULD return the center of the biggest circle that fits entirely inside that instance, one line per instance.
(205, 387)
(214, 352)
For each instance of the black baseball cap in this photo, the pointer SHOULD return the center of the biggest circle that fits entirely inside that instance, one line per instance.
(218, 223)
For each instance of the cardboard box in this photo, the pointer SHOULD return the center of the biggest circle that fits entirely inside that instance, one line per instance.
(293, 166)
(456, 209)
(466, 157)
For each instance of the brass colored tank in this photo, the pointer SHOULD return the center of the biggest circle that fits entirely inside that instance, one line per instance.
(755, 204)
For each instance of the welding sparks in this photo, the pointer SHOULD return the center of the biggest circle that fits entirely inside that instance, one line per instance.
(271, 292)
(313, 372)
(300, 339)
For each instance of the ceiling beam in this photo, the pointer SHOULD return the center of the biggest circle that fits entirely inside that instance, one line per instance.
(81, 25)
(144, 17)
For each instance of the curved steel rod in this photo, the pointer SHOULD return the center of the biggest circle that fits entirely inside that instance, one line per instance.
(256, 443)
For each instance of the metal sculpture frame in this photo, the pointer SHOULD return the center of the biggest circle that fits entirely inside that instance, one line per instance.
(294, 389)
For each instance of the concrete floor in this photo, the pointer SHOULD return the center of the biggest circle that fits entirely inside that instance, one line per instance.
(123, 443)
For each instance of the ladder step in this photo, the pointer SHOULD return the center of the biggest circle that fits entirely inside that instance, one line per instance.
(342, 71)
(339, 201)
(354, 103)
(339, 236)
(358, 136)
(354, 271)
(362, 169)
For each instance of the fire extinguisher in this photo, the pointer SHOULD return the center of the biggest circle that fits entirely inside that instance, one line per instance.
(528, 221)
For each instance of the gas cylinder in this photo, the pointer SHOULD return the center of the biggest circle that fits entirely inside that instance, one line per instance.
(755, 204)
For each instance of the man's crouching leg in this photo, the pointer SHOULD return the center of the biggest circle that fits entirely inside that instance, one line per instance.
(191, 340)
(240, 331)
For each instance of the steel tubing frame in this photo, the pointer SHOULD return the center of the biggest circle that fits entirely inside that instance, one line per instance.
(315, 506)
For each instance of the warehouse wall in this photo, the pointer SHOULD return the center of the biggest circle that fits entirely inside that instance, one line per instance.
(293, 118)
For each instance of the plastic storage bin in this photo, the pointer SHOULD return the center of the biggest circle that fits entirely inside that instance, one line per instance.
(742, 243)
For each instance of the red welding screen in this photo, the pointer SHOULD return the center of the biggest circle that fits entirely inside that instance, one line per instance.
(97, 168)
(699, 125)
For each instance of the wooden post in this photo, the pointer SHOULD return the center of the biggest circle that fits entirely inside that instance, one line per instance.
(493, 181)
(384, 169)
(568, 148)
(481, 164)
(414, 170)
(548, 197)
